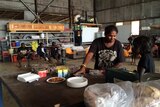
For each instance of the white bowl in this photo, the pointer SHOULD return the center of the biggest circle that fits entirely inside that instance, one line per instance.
(77, 82)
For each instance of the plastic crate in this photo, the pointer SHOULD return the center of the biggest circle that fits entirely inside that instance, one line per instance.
(7, 59)
(14, 59)
(5, 53)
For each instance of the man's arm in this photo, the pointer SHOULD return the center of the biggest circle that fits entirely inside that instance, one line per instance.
(88, 57)
(120, 57)
(141, 72)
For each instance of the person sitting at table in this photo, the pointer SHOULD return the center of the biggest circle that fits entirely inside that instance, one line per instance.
(23, 52)
(142, 45)
(41, 51)
(107, 50)
(54, 51)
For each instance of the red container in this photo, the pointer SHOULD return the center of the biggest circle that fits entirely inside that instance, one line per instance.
(5, 53)
(13, 44)
(42, 73)
(14, 58)
(24, 59)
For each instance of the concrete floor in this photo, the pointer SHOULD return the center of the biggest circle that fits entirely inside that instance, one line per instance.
(6, 68)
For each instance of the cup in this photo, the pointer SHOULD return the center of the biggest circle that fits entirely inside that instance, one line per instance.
(60, 73)
(65, 72)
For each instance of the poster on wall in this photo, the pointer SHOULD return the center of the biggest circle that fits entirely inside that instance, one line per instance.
(88, 34)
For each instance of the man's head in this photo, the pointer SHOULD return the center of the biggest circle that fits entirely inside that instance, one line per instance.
(22, 45)
(41, 44)
(53, 43)
(110, 33)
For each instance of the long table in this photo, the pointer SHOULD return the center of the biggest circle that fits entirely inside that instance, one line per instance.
(42, 94)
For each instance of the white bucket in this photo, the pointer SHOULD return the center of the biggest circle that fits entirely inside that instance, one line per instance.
(11, 51)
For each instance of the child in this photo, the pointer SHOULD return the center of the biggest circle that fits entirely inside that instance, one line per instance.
(143, 46)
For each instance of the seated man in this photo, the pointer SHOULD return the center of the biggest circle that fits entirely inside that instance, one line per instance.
(41, 51)
(54, 51)
(23, 52)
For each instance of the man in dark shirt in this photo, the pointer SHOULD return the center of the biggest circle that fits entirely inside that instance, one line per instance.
(22, 53)
(107, 50)
(54, 51)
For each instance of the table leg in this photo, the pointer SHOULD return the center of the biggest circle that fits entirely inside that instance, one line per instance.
(1, 95)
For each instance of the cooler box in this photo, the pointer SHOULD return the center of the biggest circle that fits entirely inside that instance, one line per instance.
(78, 54)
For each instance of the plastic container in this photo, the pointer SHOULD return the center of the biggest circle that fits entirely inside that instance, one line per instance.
(5, 53)
(42, 73)
(13, 44)
(6, 59)
(18, 43)
(63, 61)
(77, 82)
(11, 51)
(14, 58)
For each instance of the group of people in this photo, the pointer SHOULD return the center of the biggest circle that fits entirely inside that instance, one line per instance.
(25, 52)
(108, 53)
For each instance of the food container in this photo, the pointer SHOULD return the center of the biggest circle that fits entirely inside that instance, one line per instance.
(42, 73)
(77, 82)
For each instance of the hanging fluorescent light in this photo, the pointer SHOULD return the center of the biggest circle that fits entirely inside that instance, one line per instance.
(119, 24)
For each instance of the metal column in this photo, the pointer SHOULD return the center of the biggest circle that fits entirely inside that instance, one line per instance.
(69, 12)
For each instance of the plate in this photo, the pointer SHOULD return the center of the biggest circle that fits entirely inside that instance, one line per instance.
(77, 82)
(55, 80)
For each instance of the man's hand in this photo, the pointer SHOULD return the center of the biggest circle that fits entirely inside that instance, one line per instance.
(81, 71)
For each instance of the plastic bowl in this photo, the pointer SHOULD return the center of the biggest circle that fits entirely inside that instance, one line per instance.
(77, 82)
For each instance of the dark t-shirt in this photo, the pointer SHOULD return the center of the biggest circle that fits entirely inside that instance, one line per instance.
(23, 50)
(106, 57)
(54, 50)
(146, 61)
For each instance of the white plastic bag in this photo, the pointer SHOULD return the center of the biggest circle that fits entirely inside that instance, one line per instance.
(104, 95)
(123, 94)
(127, 87)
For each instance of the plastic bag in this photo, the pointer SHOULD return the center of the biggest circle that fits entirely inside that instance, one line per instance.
(105, 95)
(123, 94)
(146, 96)
(127, 87)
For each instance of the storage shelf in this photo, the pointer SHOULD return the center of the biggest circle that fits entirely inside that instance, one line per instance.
(41, 32)
(59, 37)
(27, 39)
(19, 46)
